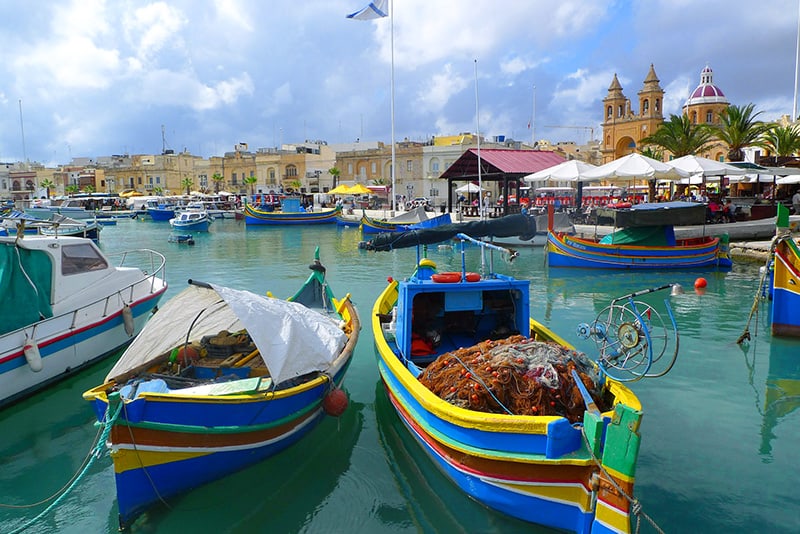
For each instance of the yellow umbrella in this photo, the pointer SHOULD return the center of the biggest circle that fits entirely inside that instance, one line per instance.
(359, 189)
(340, 189)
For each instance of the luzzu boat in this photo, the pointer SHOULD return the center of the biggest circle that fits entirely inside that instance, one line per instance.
(646, 241)
(569, 463)
(786, 288)
(290, 213)
(67, 305)
(221, 379)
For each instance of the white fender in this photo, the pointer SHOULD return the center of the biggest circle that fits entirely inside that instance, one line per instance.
(31, 350)
(127, 319)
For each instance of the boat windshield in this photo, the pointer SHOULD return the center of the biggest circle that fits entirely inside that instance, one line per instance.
(81, 258)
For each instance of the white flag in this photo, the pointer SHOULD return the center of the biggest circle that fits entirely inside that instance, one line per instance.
(374, 10)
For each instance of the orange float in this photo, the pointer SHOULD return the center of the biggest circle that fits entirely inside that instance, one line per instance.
(451, 277)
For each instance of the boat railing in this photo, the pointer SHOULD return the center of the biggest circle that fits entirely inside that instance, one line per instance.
(152, 263)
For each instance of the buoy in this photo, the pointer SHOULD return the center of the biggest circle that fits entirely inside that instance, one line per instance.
(127, 319)
(31, 350)
(700, 283)
(187, 354)
(335, 402)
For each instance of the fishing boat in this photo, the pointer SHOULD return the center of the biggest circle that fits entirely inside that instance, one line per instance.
(786, 288)
(191, 220)
(67, 305)
(187, 239)
(218, 380)
(290, 213)
(161, 212)
(644, 239)
(370, 225)
(65, 226)
(507, 409)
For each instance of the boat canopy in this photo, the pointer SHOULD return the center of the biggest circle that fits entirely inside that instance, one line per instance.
(26, 286)
(292, 339)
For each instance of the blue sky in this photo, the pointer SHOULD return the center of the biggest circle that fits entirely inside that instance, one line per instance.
(101, 77)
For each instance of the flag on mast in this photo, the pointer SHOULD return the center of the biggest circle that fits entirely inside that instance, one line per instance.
(374, 10)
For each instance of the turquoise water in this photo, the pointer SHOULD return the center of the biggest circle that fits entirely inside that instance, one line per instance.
(721, 432)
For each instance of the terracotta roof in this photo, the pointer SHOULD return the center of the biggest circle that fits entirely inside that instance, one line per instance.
(498, 162)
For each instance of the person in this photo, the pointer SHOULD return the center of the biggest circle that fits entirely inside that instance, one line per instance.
(728, 211)
(796, 202)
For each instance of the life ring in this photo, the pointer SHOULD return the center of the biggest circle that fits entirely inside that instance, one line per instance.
(451, 277)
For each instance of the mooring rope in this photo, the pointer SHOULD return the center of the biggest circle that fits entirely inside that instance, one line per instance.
(96, 452)
(754, 309)
(636, 506)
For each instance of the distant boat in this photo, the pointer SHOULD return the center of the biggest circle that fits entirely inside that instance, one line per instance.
(66, 226)
(71, 307)
(195, 220)
(646, 240)
(290, 213)
(161, 212)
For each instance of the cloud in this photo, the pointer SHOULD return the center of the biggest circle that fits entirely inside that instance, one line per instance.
(435, 94)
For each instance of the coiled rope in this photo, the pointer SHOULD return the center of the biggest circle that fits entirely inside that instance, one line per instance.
(636, 506)
(95, 453)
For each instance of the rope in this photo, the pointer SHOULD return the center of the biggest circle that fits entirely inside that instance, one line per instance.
(636, 506)
(95, 453)
(754, 309)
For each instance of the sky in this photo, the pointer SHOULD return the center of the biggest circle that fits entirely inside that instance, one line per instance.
(92, 78)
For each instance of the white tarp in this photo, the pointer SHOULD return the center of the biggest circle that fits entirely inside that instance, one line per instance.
(292, 339)
(469, 187)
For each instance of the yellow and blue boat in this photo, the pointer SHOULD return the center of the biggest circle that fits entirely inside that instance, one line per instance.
(786, 288)
(438, 340)
(290, 213)
(646, 240)
(218, 380)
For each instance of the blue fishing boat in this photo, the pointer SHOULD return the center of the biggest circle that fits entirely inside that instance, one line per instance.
(161, 212)
(786, 288)
(645, 241)
(506, 408)
(220, 379)
(290, 213)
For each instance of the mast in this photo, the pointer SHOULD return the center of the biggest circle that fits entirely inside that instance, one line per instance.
(796, 63)
(391, 31)
(478, 133)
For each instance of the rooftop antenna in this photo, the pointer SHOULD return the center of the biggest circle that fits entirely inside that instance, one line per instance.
(22, 128)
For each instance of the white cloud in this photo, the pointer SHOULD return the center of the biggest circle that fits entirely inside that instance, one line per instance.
(435, 94)
(154, 27)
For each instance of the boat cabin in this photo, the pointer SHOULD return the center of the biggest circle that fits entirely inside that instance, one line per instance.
(435, 317)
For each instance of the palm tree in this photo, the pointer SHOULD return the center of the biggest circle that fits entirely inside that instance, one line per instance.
(739, 130)
(89, 189)
(47, 183)
(158, 190)
(187, 183)
(71, 189)
(679, 136)
(251, 181)
(217, 179)
(781, 141)
(335, 172)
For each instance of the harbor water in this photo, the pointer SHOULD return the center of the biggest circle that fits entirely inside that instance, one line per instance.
(720, 433)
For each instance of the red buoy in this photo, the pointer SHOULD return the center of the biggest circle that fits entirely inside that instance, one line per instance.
(700, 283)
(335, 402)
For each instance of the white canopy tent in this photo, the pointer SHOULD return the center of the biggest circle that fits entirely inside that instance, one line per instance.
(469, 188)
(569, 171)
(699, 166)
(635, 167)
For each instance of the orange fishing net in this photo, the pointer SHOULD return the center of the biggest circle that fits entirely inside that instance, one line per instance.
(515, 375)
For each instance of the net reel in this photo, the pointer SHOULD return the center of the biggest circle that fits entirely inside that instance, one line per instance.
(633, 338)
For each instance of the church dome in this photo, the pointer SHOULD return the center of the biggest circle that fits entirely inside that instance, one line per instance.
(706, 92)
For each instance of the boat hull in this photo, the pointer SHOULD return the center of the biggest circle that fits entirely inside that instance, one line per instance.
(786, 290)
(568, 251)
(254, 216)
(199, 226)
(66, 347)
(161, 214)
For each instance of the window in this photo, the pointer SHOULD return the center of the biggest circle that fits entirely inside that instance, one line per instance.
(709, 117)
(621, 112)
(610, 111)
(349, 168)
(374, 167)
(81, 258)
(140, 180)
(362, 171)
(658, 105)
(694, 117)
(435, 165)
(291, 170)
(410, 165)
(158, 179)
(645, 106)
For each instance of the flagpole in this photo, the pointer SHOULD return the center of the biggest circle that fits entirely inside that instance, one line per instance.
(796, 62)
(478, 133)
(391, 31)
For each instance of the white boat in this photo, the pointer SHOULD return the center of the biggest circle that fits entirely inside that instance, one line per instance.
(65, 305)
(193, 218)
(72, 208)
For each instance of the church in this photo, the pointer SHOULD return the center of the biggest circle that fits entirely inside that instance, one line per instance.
(623, 128)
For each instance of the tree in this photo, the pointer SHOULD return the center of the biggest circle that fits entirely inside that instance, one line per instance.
(679, 136)
(71, 189)
(47, 184)
(187, 183)
(89, 189)
(251, 181)
(739, 130)
(335, 172)
(781, 141)
(158, 190)
(218, 179)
